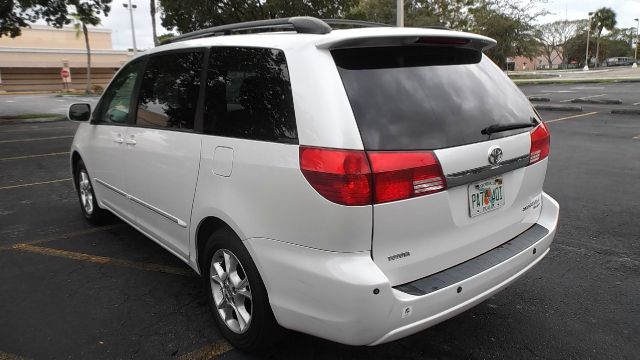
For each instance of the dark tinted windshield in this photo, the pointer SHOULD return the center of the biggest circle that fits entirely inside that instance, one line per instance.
(428, 97)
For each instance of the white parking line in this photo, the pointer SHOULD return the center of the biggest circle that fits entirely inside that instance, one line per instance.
(584, 97)
(33, 156)
(587, 88)
(34, 127)
(36, 139)
(638, 103)
(570, 117)
(35, 183)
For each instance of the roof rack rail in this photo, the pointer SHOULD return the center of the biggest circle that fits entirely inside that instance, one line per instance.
(301, 24)
(360, 23)
(439, 27)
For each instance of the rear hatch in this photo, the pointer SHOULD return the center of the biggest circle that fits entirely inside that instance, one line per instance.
(457, 153)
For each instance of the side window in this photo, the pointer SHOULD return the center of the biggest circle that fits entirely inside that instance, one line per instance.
(116, 101)
(249, 95)
(169, 91)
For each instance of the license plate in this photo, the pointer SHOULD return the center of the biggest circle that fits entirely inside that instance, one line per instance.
(486, 195)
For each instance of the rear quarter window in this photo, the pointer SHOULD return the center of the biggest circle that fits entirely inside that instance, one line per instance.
(248, 95)
(428, 97)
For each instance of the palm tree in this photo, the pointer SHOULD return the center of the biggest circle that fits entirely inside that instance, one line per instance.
(603, 18)
(80, 25)
(152, 7)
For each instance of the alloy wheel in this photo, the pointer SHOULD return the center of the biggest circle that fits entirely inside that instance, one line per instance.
(231, 291)
(86, 192)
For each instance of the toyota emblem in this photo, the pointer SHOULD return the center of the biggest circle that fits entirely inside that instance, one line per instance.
(495, 155)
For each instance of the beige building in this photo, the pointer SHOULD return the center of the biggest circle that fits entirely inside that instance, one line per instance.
(521, 63)
(32, 61)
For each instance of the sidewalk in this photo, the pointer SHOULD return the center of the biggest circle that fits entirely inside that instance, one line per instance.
(619, 74)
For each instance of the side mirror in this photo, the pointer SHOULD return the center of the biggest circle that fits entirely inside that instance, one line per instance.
(79, 112)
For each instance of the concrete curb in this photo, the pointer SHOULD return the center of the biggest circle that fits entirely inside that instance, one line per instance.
(541, 99)
(626, 111)
(558, 108)
(9, 121)
(597, 101)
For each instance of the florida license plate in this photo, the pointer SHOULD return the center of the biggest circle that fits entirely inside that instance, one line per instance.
(486, 195)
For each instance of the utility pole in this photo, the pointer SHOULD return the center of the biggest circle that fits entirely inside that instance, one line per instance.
(586, 56)
(133, 29)
(400, 13)
(635, 58)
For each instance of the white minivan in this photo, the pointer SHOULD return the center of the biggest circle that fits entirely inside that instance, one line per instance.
(359, 185)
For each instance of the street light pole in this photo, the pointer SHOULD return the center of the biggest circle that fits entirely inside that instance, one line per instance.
(586, 56)
(133, 29)
(400, 13)
(635, 58)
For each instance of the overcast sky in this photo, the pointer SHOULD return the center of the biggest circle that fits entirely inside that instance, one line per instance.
(118, 19)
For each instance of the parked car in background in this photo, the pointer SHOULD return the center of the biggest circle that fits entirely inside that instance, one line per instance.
(619, 61)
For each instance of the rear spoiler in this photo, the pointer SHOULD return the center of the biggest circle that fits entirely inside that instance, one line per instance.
(406, 36)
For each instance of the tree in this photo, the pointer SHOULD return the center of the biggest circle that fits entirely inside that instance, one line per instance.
(382, 11)
(603, 18)
(164, 37)
(454, 14)
(190, 15)
(80, 24)
(323, 9)
(627, 35)
(152, 10)
(20, 13)
(511, 25)
(553, 37)
(575, 48)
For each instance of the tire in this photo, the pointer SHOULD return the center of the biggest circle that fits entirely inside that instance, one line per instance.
(237, 296)
(87, 197)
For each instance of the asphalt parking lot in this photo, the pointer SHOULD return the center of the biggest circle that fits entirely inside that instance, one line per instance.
(69, 290)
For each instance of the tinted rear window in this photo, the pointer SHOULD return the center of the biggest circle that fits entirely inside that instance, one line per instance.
(249, 95)
(428, 97)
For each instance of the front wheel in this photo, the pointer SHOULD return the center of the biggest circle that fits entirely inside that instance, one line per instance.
(237, 295)
(87, 197)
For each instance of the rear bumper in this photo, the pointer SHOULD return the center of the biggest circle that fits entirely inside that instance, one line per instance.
(333, 295)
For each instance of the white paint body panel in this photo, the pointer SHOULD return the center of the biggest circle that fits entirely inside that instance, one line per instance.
(316, 257)
(104, 157)
(437, 230)
(330, 295)
(267, 196)
(161, 170)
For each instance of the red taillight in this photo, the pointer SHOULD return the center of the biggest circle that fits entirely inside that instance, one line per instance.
(403, 175)
(342, 176)
(539, 143)
(345, 177)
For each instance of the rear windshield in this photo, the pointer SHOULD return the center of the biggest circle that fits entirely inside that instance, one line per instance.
(428, 97)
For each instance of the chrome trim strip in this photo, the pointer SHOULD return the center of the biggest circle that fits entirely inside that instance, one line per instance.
(114, 189)
(143, 204)
(158, 211)
(483, 172)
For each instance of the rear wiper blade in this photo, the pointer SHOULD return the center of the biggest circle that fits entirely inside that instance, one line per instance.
(506, 127)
